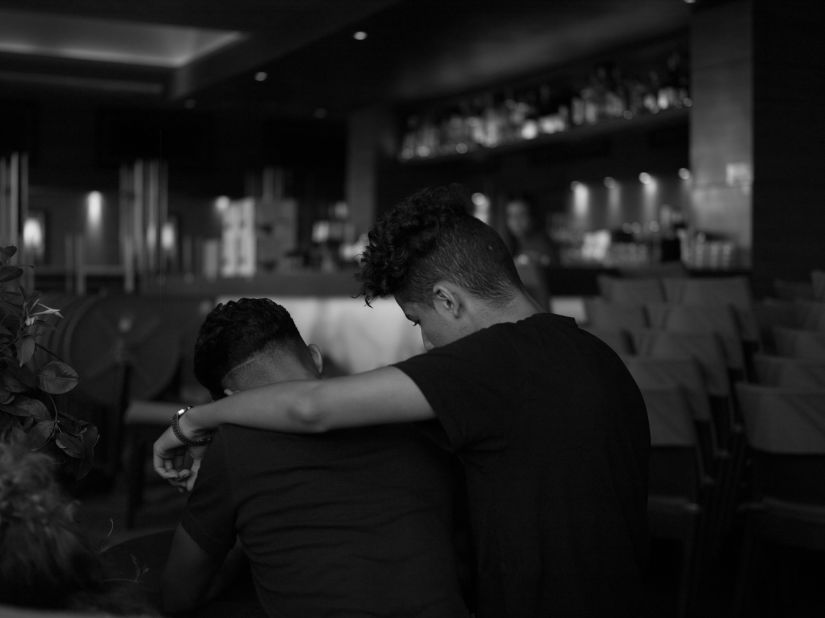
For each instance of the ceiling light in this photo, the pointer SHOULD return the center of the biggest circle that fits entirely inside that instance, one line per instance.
(360, 35)
(189, 103)
(684, 173)
(261, 76)
(645, 178)
(320, 113)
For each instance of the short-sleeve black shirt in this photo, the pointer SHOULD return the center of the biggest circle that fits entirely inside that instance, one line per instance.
(347, 524)
(553, 436)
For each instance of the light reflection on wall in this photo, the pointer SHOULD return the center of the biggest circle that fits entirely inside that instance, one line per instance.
(94, 211)
(581, 204)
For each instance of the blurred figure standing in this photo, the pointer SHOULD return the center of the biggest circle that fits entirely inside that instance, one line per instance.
(531, 247)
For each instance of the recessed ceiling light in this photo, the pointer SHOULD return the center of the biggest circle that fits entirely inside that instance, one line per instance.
(189, 103)
(261, 76)
(360, 35)
(320, 112)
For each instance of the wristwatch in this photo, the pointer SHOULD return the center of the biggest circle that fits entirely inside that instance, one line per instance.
(179, 433)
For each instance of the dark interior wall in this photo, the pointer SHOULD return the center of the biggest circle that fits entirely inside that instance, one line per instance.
(789, 141)
(77, 145)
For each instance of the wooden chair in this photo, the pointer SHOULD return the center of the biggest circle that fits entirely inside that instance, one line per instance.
(684, 374)
(793, 290)
(785, 430)
(818, 284)
(731, 291)
(632, 291)
(713, 319)
(789, 372)
(675, 501)
(619, 340)
(608, 315)
(799, 343)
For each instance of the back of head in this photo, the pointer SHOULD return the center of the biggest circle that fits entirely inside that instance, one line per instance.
(238, 331)
(45, 560)
(429, 237)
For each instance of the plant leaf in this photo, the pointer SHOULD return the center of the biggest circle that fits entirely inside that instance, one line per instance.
(27, 407)
(11, 383)
(57, 378)
(70, 444)
(25, 350)
(8, 252)
(9, 273)
(39, 435)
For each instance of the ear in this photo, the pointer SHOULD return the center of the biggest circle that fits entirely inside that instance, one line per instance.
(317, 357)
(448, 299)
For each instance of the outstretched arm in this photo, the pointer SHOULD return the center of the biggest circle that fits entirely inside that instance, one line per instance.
(377, 397)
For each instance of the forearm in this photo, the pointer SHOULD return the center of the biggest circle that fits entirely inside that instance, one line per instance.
(286, 406)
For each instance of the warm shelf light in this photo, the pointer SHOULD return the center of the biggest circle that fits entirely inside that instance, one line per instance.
(645, 178)
(261, 76)
(360, 35)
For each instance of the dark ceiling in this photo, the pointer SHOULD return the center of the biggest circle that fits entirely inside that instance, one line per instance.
(414, 49)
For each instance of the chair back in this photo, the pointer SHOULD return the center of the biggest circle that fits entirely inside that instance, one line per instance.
(789, 372)
(692, 318)
(811, 314)
(705, 349)
(632, 291)
(731, 291)
(619, 340)
(785, 429)
(818, 284)
(608, 315)
(675, 466)
(799, 343)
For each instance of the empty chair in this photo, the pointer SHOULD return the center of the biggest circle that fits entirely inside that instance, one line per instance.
(692, 318)
(619, 340)
(685, 374)
(675, 500)
(785, 430)
(799, 343)
(789, 372)
(810, 314)
(818, 284)
(732, 291)
(633, 291)
(607, 315)
(793, 290)
(771, 312)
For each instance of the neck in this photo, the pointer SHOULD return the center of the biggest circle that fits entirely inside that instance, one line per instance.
(519, 308)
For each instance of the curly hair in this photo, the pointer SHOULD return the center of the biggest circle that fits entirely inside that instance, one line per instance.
(235, 331)
(45, 558)
(431, 236)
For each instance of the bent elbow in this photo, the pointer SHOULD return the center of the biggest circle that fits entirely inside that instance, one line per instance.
(308, 416)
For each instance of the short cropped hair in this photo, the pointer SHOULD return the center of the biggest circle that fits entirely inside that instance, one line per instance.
(429, 237)
(235, 331)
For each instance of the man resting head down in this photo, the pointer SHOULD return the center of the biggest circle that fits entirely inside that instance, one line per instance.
(348, 523)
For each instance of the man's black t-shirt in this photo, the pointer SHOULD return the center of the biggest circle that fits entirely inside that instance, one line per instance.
(553, 436)
(348, 524)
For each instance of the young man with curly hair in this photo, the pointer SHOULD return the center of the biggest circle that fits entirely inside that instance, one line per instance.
(548, 424)
(349, 523)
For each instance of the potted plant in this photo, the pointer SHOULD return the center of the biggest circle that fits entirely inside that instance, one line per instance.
(33, 381)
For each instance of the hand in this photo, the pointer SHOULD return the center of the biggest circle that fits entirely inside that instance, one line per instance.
(175, 462)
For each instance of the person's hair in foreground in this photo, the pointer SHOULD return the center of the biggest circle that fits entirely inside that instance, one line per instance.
(237, 332)
(431, 236)
(46, 561)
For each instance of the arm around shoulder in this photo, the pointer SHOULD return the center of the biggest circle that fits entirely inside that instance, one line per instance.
(378, 397)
